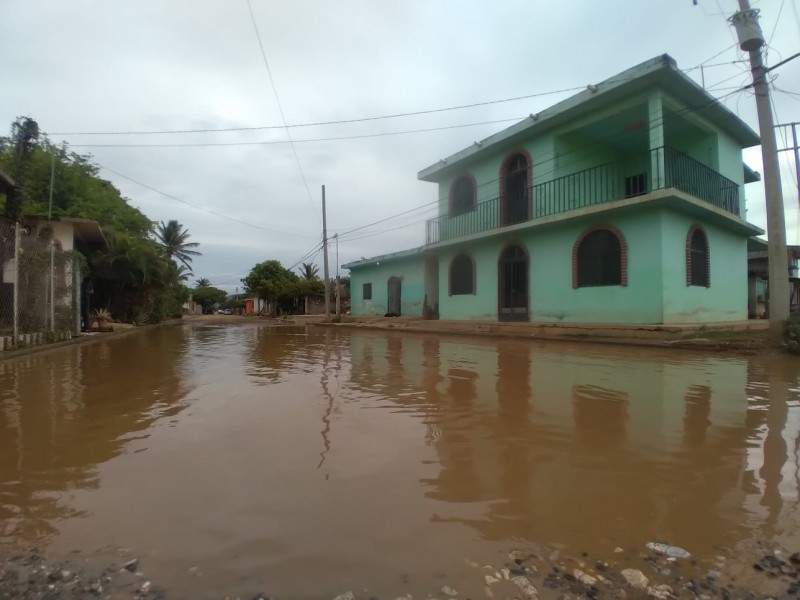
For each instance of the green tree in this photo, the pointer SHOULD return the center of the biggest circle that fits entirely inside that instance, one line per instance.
(269, 281)
(23, 142)
(133, 277)
(202, 282)
(309, 271)
(174, 237)
(209, 297)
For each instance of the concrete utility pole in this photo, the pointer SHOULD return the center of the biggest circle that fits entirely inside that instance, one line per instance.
(338, 282)
(325, 258)
(751, 39)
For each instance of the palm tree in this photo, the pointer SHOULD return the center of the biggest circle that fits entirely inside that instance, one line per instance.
(309, 272)
(202, 282)
(173, 238)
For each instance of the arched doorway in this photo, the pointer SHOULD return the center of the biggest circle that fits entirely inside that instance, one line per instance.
(515, 190)
(512, 280)
(393, 302)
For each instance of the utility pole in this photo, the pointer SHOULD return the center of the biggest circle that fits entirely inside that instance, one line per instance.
(325, 258)
(751, 39)
(52, 314)
(796, 159)
(338, 283)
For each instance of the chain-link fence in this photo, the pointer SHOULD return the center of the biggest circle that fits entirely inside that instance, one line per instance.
(39, 288)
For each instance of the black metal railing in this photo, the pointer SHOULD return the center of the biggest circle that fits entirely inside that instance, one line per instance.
(641, 174)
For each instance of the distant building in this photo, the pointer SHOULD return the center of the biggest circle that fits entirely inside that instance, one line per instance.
(622, 204)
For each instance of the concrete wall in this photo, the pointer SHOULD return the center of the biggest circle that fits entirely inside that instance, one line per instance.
(726, 298)
(731, 166)
(552, 297)
(63, 232)
(410, 270)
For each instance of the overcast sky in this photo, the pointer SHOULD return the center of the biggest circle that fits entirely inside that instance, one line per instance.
(154, 65)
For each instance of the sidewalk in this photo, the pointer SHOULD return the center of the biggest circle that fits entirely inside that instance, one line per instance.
(740, 335)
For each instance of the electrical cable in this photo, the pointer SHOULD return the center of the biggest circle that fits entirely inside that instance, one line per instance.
(207, 210)
(274, 142)
(371, 118)
(280, 109)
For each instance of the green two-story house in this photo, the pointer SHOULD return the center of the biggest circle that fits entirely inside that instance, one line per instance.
(621, 204)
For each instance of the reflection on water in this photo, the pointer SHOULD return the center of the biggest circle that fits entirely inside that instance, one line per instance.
(256, 452)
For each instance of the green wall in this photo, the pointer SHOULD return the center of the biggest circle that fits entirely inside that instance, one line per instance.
(731, 166)
(552, 298)
(726, 298)
(410, 270)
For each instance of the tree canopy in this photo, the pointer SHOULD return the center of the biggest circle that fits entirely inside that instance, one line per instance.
(133, 277)
(174, 237)
(208, 297)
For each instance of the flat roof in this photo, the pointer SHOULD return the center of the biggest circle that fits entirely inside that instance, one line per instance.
(86, 230)
(374, 260)
(661, 71)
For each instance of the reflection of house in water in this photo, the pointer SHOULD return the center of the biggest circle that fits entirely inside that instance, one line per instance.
(590, 446)
(63, 414)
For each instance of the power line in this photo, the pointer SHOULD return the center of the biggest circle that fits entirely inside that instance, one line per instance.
(207, 210)
(307, 256)
(370, 118)
(280, 109)
(273, 142)
(777, 20)
(324, 123)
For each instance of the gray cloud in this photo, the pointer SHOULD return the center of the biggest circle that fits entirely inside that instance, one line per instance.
(80, 65)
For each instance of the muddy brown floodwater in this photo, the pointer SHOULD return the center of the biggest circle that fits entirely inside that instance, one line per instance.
(306, 462)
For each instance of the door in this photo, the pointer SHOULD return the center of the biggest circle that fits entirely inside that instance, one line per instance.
(393, 303)
(515, 190)
(512, 271)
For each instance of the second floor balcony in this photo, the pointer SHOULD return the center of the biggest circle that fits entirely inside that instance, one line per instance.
(660, 168)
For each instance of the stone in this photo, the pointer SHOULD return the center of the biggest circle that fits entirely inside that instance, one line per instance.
(490, 580)
(346, 596)
(506, 573)
(96, 588)
(584, 578)
(618, 550)
(145, 587)
(518, 555)
(661, 592)
(449, 591)
(525, 586)
(131, 565)
(635, 578)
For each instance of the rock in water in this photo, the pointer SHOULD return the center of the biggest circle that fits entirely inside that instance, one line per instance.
(584, 578)
(667, 550)
(635, 578)
(448, 591)
(346, 596)
(525, 586)
(132, 565)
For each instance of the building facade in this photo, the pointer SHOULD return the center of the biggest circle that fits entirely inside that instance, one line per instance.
(622, 204)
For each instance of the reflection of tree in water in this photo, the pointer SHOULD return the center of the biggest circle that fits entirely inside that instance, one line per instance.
(276, 353)
(65, 412)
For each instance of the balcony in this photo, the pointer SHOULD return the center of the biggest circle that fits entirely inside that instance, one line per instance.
(660, 168)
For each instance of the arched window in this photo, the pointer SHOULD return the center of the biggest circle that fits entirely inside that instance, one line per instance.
(600, 258)
(698, 264)
(462, 275)
(462, 196)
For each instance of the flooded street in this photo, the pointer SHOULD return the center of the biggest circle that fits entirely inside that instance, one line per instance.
(306, 462)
